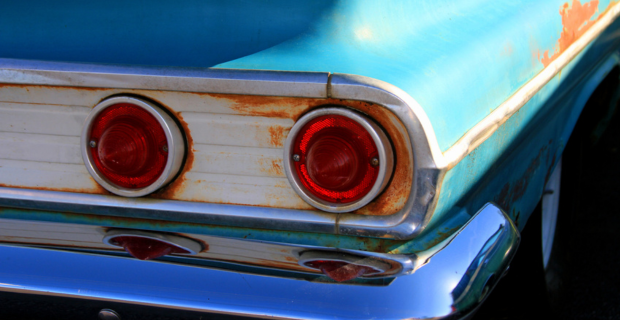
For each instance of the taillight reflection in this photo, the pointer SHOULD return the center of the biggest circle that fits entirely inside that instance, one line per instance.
(341, 271)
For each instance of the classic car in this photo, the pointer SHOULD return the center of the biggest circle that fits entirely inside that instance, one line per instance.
(277, 159)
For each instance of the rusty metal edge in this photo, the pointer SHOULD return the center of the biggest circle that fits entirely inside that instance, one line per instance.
(428, 161)
(485, 128)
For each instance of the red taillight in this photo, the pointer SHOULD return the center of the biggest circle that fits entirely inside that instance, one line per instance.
(341, 271)
(337, 160)
(128, 146)
(146, 245)
(342, 266)
(144, 248)
(131, 147)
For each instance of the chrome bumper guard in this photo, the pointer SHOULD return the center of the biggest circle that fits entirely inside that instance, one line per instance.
(451, 284)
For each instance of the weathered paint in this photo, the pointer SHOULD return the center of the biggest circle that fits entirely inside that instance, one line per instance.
(208, 175)
(513, 165)
(452, 57)
(576, 20)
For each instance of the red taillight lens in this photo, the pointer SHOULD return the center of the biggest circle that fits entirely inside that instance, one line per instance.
(341, 271)
(145, 248)
(336, 157)
(128, 146)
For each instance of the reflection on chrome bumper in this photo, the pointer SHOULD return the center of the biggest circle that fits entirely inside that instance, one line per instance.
(452, 283)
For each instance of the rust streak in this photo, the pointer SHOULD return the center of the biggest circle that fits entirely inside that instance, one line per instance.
(575, 22)
(277, 135)
(396, 193)
(508, 195)
(271, 107)
(276, 167)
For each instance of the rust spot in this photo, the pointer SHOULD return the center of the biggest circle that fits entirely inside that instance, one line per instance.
(271, 107)
(276, 167)
(290, 259)
(277, 135)
(509, 194)
(396, 193)
(375, 245)
(575, 22)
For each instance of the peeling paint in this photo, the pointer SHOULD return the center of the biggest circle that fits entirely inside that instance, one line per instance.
(576, 20)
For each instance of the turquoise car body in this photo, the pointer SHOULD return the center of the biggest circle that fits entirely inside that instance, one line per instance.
(459, 60)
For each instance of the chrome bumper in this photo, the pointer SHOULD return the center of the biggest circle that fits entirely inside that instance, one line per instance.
(453, 282)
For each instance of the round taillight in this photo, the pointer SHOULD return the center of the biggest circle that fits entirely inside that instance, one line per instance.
(146, 245)
(131, 147)
(337, 160)
(341, 266)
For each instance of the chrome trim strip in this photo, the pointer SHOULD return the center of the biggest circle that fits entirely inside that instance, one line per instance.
(485, 128)
(384, 149)
(170, 210)
(264, 83)
(453, 283)
(427, 159)
(176, 147)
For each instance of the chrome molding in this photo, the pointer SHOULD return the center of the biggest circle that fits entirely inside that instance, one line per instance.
(176, 147)
(386, 160)
(264, 83)
(170, 210)
(485, 128)
(454, 281)
(427, 159)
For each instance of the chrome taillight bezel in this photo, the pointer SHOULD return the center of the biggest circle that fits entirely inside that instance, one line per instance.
(385, 155)
(174, 137)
